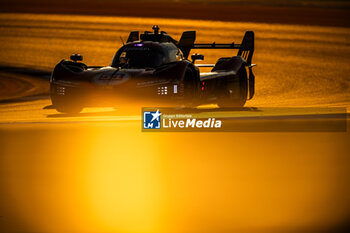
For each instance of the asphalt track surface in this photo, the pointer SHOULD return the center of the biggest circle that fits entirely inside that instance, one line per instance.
(97, 172)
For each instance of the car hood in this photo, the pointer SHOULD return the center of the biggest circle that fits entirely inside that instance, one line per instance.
(114, 76)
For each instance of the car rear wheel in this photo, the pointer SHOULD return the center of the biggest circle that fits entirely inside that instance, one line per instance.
(63, 100)
(235, 90)
(190, 89)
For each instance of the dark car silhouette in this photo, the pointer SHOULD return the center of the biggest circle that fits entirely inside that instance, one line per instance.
(154, 66)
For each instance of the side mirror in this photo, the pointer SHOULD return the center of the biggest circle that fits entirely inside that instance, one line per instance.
(76, 57)
(197, 56)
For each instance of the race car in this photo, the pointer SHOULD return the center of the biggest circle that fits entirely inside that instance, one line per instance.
(154, 66)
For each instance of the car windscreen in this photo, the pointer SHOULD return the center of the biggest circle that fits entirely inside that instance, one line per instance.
(138, 57)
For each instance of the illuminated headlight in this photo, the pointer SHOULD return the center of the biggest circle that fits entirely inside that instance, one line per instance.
(60, 90)
(162, 90)
(175, 89)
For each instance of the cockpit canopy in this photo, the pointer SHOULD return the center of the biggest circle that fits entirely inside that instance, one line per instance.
(147, 54)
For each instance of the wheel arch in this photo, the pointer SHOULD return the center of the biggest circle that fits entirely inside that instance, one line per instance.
(225, 64)
(66, 70)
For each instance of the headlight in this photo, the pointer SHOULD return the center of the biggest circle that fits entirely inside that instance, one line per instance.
(60, 90)
(164, 90)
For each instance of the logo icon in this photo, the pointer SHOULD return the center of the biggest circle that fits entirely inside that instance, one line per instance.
(151, 120)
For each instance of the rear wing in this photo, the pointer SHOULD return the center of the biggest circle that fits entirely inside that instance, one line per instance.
(245, 49)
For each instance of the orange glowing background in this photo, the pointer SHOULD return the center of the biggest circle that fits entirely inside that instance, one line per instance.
(97, 172)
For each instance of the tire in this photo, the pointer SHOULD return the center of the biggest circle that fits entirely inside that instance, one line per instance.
(235, 91)
(67, 103)
(190, 89)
